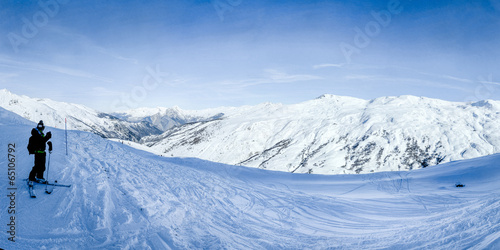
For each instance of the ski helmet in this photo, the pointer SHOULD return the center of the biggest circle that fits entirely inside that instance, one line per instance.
(40, 125)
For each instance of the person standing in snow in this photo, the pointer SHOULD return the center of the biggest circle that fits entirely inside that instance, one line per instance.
(37, 147)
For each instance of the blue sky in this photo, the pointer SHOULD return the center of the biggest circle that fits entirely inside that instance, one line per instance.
(116, 55)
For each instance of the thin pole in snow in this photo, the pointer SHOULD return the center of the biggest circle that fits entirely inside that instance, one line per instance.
(66, 133)
(47, 180)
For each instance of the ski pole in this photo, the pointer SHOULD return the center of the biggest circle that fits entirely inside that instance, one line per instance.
(48, 168)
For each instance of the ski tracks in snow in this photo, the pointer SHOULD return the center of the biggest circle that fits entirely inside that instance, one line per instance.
(122, 198)
(181, 204)
(95, 211)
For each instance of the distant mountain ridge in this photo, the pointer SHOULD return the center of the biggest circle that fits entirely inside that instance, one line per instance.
(167, 118)
(79, 117)
(334, 134)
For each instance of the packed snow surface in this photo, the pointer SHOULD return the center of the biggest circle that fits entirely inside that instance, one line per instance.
(124, 198)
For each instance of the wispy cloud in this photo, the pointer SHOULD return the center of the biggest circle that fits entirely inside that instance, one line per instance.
(480, 79)
(273, 76)
(52, 68)
(115, 56)
(427, 77)
(458, 79)
(105, 92)
(380, 79)
(329, 65)
(75, 72)
(363, 77)
(488, 80)
(87, 44)
(4, 77)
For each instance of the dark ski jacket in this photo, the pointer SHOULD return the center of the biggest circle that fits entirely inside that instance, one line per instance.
(37, 141)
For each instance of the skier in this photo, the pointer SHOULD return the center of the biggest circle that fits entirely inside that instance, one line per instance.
(36, 146)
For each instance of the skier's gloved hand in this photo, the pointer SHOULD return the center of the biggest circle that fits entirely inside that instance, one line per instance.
(48, 135)
(50, 146)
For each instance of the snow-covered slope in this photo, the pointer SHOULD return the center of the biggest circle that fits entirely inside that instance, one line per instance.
(334, 134)
(79, 117)
(8, 118)
(124, 198)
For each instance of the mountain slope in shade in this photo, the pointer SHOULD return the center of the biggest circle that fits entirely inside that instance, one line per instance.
(334, 134)
(78, 117)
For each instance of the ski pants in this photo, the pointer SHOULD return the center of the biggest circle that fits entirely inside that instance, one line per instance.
(39, 167)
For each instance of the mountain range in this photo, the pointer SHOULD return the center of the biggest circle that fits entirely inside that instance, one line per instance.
(328, 135)
(334, 134)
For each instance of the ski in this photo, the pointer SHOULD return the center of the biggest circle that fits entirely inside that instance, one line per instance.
(54, 184)
(31, 189)
(50, 184)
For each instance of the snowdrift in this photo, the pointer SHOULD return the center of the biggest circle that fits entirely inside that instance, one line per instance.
(124, 198)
